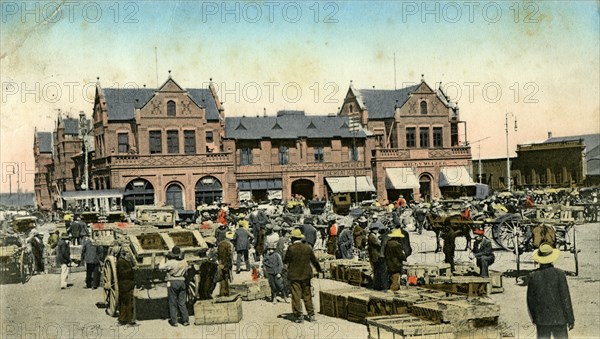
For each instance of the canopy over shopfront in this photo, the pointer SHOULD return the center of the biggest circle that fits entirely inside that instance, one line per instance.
(400, 178)
(346, 184)
(455, 176)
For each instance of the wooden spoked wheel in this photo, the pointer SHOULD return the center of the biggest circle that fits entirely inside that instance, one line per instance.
(110, 285)
(25, 266)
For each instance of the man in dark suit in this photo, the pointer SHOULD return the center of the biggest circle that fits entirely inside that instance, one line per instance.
(310, 234)
(548, 298)
(299, 257)
(91, 255)
(241, 239)
(394, 256)
(126, 283)
(482, 249)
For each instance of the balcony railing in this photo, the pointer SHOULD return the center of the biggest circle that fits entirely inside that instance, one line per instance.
(164, 160)
(422, 153)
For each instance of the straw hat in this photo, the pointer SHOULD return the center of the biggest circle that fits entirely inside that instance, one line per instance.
(396, 233)
(362, 219)
(241, 216)
(296, 233)
(546, 254)
(229, 235)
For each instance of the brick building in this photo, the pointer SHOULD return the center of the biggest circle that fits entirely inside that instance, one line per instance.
(42, 152)
(295, 153)
(418, 151)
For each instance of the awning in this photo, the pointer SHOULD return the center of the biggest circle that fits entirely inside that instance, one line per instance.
(400, 178)
(455, 176)
(346, 184)
(91, 194)
(259, 184)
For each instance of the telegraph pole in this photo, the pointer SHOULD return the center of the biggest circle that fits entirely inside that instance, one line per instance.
(354, 126)
(506, 116)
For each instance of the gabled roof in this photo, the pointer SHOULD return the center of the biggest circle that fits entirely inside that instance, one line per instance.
(122, 102)
(293, 126)
(72, 126)
(381, 103)
(45, 141)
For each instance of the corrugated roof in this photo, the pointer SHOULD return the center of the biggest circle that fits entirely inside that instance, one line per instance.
(381, 103)
(122, 102)
(45, 141)
(289, 126)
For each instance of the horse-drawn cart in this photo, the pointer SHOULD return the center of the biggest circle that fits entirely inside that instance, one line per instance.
(16, 259)
(146, 248)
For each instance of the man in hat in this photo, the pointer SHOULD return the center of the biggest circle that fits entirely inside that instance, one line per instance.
(394, 256)
(63, 259)
(420, 215)
(548, 298)
(243, 222)
(91, 256)
(241, 239)
(176, 268)
(53, 239)
(221, 232)
(299, 257)
(332, 231)
(465, 214)
(346, 244)
(225, 260)
(222, 216)
(358, 233)
(126, 283)
(310, 233)
(449, 236)
(273, 266)
(401, 202)
(482, 249)
(208, 271)
(259, 220)
(36, 241)
(377, 261)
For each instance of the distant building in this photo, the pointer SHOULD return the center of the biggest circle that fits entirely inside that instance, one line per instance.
(42, 152)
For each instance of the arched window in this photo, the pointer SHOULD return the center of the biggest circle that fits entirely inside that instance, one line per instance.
(171, 108)
(423, 107)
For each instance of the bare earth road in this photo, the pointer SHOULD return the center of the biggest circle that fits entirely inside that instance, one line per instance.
(40, 309)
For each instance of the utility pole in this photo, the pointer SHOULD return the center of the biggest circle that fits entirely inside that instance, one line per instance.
(478, 142)
(83, 133)
(506, 116)
(354, 127)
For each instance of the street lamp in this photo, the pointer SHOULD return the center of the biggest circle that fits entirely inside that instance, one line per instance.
(478, 142)
(353, 127)
(506, 116)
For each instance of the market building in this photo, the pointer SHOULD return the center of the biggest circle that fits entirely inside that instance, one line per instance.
(418, 151)
(42, 152)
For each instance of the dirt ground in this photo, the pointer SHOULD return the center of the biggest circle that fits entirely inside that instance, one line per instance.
(40, 309)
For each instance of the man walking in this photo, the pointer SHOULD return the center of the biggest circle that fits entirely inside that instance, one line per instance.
(241, 239)
(92, 260)
(126, 284)
(394, 256)
(273, 266)
(176, 268)
(299, 257)
(63, 259)
(548, 298)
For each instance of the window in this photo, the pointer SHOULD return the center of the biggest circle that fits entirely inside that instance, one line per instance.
(424, 137)
(411, 137)
(438, 137)
(189, 139)
(155, 142)
(123, 139)
(171, 108)
(353, 153)
(319, 154)
(173, 142)
(209, 137)
(283, 155)
(246, 156)
(423, 107)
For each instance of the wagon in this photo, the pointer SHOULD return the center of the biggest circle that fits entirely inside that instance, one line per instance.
(16, 259)
(147, 248)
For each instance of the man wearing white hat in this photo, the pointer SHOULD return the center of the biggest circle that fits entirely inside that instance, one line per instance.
(548, 298)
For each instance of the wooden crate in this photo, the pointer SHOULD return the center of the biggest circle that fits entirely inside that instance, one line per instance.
(358, 275)
(407, 326)
(358, 306)
(465, 268)
(342, 301)
(496, 277)
(463, 314)
(465, 285)
(252, 290)
(429, 270)
(328, 301)
(221, 310)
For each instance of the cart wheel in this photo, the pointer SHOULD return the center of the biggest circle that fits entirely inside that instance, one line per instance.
(110, 285)
(504, 232)
(25, 266)
(192, 290)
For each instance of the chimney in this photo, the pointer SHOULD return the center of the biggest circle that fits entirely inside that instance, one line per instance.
(549, 134)
(264, 111)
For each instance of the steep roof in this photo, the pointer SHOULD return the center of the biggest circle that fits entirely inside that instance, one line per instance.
(289, 125)
(381, 103)
(45, 141)
(122, 102)
(71, 126)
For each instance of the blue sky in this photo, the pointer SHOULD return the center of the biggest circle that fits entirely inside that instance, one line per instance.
(542, 56)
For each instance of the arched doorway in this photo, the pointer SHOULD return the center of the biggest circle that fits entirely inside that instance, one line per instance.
(175, 196)
(425, 187)
(138, 192)
(208, 190)
(304, 187)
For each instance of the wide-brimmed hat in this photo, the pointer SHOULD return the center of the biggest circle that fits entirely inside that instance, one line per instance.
(362, 219)
(546, 254)
(241, 216)
(396, 233)
(229, 235)
(296, 233)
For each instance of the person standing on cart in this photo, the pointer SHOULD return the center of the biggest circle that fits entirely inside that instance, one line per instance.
(176, 268)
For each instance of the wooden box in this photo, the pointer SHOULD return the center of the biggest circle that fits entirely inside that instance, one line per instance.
(341, 301)
(328, 301)
(358, 275)
(252, 290)
(463, 314)
(465, 285)
(407, 326)
(221, 310)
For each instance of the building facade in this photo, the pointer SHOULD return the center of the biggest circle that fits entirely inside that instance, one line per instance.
(42, 152)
